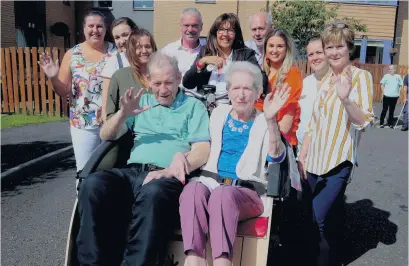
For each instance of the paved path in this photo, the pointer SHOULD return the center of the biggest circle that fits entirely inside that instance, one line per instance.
(21, 144)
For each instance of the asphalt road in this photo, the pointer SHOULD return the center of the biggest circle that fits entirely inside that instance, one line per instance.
(35, 213)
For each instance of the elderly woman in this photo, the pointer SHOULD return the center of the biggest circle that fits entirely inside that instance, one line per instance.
(243, 139)
(342, 109)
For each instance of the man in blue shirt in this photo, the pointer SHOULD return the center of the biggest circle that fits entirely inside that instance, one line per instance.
(128, 214)
(405, 110)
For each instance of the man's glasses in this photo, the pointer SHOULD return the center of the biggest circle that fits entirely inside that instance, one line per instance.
(338, 25)
(228, 31)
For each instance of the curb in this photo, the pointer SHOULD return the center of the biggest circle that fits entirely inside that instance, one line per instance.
(35, 166)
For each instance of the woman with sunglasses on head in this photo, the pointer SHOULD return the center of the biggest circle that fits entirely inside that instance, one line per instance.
(140, 46)
(78, 78)
(341, 111)
(121, 29)
(224, 45)
(278, 64)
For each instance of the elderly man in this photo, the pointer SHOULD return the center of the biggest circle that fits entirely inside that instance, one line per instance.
(260, 23)
(188, 47)
(171, 142)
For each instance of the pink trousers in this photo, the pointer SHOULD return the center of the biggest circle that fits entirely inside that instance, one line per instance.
(216, 213)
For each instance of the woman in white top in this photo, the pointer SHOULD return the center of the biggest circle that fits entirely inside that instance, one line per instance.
(121, 29)
(318, 62)
(243, 142)
(78, 77)
(342, 109)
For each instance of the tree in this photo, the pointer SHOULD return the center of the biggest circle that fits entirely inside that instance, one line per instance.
(305, 19)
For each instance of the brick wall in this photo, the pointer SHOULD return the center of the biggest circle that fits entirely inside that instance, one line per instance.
(8, 27)
(401, 57)
(56, 11)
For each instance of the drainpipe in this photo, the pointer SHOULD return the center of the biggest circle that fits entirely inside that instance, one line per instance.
(238, 5)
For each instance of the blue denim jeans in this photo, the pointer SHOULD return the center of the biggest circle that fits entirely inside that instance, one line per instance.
(327, 206)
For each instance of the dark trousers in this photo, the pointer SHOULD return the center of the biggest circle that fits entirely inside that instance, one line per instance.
(327, 206)
(388, 103)
(124, 222)
(405, 116)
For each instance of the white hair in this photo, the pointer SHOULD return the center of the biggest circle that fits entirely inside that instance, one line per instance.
(159, 60)
(246, 67)
(269, 19)
(192, 11)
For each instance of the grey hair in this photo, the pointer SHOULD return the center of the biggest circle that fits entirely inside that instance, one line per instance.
(247, 67)
(160, 60)
(269, 19)
(192, 11)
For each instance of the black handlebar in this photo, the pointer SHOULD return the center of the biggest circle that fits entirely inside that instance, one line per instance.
(203, 97)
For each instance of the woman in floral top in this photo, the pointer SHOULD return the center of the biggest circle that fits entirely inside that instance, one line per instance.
(79, 78)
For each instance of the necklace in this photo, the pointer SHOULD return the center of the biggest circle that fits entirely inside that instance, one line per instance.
(233, 127)
(240, 129)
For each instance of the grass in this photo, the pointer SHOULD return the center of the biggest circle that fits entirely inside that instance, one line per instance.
(17, 120)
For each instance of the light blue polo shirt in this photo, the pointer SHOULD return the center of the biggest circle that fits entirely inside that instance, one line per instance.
(392, 85)
(161, 132)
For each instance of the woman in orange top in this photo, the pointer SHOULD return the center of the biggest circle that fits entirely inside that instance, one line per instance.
(279, 66)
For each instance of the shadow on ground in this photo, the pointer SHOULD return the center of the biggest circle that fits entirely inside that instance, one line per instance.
(15, 154)
(9, 189)
(364, 227)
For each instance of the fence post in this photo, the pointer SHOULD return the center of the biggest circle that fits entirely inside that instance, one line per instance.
(15, 83)
(29, 81)
(21, 78)
(64, 100)
(35, 81)
(5, 95)
(57, 97)
(50, 89)
(9, 80)
(42, 83)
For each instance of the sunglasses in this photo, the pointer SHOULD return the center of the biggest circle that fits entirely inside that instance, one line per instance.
(338, 25)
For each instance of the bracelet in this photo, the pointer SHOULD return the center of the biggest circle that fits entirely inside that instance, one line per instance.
(198, 65)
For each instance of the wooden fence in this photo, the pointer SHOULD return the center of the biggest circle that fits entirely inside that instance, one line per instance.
(25, 88)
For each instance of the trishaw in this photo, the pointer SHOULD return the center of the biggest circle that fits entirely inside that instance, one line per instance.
(256, 237)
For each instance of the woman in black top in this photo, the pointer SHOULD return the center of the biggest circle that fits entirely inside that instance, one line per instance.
(224, 44)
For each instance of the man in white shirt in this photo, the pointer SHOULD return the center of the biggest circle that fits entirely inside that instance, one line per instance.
(311, 84)
(260, 24)
(186, 49)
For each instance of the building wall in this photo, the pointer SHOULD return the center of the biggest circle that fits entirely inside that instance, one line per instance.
(380, 20)
(56, 11)
(401, 57)
(167, 13)
(8, 28)
(142, 18)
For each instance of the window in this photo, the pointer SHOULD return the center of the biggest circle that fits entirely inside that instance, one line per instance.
(369, 2)
(102, 4)
(206, 1)
(143, 5)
